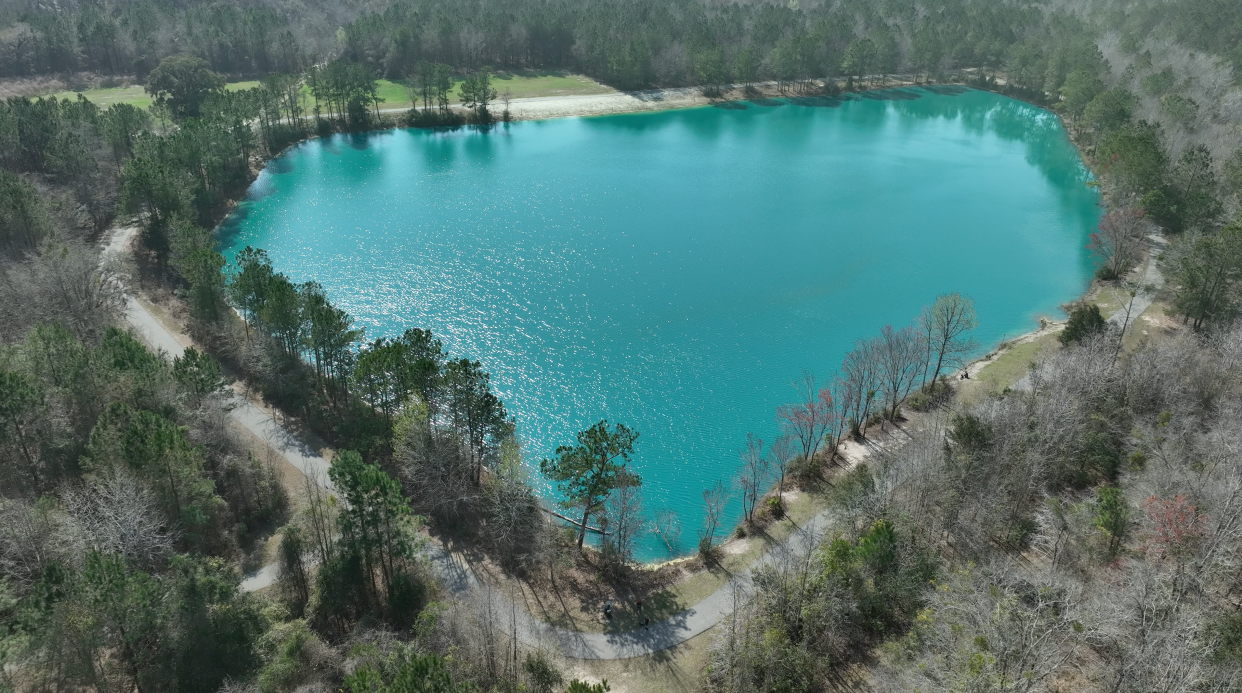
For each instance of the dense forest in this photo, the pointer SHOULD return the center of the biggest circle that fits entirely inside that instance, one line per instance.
(1080, 533)
(629, 43)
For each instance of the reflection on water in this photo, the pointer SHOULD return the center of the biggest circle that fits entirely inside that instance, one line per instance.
(675, 270)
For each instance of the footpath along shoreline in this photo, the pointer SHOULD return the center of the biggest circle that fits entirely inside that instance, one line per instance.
(456, 574)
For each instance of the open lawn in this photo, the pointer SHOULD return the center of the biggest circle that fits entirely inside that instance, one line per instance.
(528, 84)
(522, 84)
(132, 95)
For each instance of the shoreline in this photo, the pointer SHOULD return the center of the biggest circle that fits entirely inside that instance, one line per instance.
(673, 98)
(636, 101)
(851, 453)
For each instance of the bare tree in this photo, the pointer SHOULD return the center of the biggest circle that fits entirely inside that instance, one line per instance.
(1117, 243)
(944, 326)
(32, 536)
(781, 453)
(64, 283)
(1125, 322)
(859, 381)
(506, 96)
(513, 517)
(1040, 586)
(751, 476)
(1031, 631)
(118, 515)
(666, 525)
(624, 515)
(319, 516)
(900, 359)
(809, 418)
(714, 500)
(436, 465)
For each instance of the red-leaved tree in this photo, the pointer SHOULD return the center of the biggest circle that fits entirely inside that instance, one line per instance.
(1172, 527)
(808, 420)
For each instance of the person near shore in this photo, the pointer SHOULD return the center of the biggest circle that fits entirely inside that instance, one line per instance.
(608, 610)
(646, 622)
(638, 605)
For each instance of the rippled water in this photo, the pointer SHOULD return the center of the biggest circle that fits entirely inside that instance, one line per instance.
(675, 271)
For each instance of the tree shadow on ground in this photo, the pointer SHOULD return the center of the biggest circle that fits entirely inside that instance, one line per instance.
(658, 637)
(658, 607)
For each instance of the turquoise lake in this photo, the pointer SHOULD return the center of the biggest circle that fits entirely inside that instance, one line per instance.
(676, 270)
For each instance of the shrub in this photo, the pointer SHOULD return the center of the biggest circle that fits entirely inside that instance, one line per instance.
(930, 397)
(542, 674)
(706, 550)
(433, 119)
(853, 487)
(1112, 517)
(293, 653)
(406, 599)
(1225, 635)
(1084, 321)
(919, 401)
(880, 576)
(805, 472)
(776, 508)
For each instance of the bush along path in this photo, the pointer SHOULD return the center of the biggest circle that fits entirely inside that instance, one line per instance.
(455, 573)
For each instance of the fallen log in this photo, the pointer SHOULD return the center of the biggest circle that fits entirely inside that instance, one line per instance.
(575, 523)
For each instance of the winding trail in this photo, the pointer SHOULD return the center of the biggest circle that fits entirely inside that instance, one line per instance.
(458, 577)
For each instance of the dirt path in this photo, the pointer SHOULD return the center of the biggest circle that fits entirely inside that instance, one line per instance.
(245, 413)
(1148, 287)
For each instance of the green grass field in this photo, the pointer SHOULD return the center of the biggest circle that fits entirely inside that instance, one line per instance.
(133, 96)
(522, 84)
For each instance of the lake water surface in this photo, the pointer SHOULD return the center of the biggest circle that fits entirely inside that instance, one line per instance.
(675, 271)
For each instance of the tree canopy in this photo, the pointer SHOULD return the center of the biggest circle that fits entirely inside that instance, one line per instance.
(183, 83)
(588, 471)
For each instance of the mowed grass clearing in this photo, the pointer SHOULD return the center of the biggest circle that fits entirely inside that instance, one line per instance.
(132, 95)
(522, 84)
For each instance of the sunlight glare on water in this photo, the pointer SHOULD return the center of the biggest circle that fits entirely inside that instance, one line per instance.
(675, 271)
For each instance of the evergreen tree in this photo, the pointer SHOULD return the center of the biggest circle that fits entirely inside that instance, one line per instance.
(587, 472)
